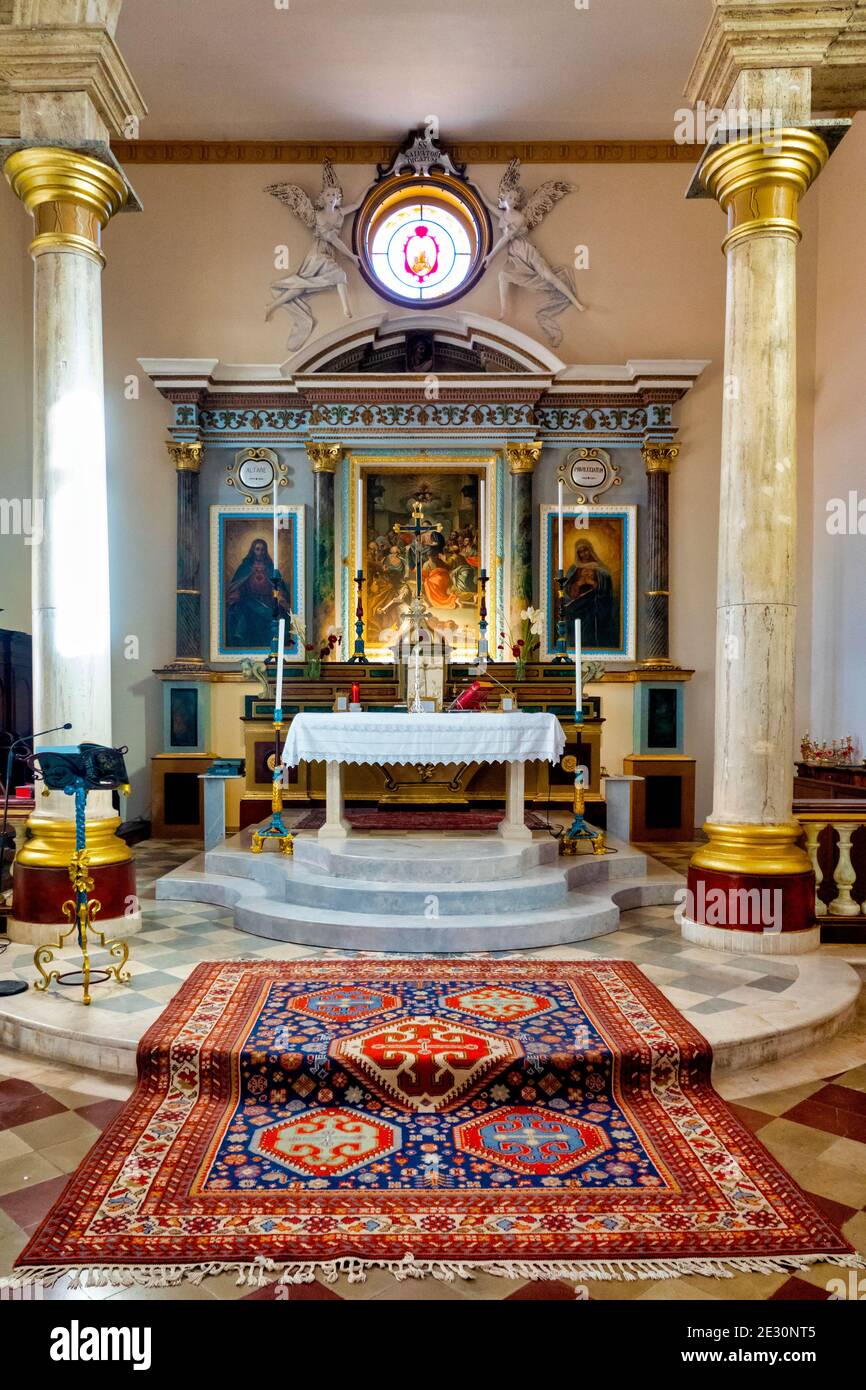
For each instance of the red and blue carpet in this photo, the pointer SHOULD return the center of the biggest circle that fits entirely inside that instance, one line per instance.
(537, 1119)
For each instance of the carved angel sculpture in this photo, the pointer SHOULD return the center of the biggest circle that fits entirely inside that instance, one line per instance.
(319, 269)
(518, 213)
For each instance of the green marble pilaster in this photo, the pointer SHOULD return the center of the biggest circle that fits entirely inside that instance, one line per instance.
(323, 460)
(186, 455)
(522, 459)
(658, 459)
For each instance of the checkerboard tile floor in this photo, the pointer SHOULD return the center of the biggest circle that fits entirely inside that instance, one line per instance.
(175, 937)
(51, 1114)
(674, 854)
(173, 940)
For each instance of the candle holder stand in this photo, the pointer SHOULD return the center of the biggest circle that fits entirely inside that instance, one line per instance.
(277, 829)
(560, 657)
(580, 831)
(483, 647)
(359, 656)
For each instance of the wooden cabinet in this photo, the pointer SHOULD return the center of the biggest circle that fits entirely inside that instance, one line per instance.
(663, 804)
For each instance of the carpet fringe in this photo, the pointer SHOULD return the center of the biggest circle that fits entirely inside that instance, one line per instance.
(261, 1271)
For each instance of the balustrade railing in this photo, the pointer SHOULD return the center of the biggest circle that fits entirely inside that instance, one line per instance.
(834, 832)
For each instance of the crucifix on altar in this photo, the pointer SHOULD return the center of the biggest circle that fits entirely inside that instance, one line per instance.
(419, 525)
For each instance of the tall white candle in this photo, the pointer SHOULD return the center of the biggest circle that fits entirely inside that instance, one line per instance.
(561, 557)
(276, 529)
(281, 650)
(359, 528)
(578, 673)
(482, 536)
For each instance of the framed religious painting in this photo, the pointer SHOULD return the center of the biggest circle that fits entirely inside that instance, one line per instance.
(423, 526)
(241, 587)
(599, 577)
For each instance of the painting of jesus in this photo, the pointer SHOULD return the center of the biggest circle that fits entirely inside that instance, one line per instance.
(242, 587)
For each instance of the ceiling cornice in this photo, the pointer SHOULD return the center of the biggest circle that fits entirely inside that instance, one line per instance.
(221, 152)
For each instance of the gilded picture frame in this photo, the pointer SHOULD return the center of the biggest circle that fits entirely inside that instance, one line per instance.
(447, 486)
(600, 544)
(241, 564)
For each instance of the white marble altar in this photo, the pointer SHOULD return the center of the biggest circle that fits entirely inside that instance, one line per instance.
(447, 739)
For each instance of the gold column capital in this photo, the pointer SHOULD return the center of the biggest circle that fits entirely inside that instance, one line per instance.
(752, 849)
(186, 455)
(759, 183)
(70, 196)
(523, 457)
(659, 457)
(324, 457)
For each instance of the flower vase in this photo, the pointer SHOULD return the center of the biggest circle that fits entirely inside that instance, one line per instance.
(313, 668)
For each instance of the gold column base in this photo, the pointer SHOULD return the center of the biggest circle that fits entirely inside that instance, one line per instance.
(51, 842)
(752, 849)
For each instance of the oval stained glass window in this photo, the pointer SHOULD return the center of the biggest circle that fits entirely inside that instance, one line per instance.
(422, 241)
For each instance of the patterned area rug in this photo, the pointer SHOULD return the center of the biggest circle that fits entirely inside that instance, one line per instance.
(361, 819)
(535, 1120)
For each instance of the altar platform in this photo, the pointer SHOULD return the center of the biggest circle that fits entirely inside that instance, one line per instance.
(421, 893)
(752, 1010)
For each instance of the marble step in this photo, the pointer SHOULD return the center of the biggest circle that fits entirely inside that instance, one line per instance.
(258, 910)
(547, 886)
(292, 883)
(483, 868)
(360, 931)
(457, 859)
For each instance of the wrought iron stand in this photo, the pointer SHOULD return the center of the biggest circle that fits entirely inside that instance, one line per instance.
(80, 912)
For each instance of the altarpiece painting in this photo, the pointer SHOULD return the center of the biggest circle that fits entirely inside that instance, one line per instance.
(448, 492)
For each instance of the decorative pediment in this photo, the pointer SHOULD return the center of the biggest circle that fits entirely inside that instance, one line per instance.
(423, 375)
(478, 343)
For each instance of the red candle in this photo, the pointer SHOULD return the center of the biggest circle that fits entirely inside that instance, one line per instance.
(356, 694)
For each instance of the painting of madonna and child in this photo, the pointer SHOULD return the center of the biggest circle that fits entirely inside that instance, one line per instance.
(448, 549)
(242, 588)
(599, 579)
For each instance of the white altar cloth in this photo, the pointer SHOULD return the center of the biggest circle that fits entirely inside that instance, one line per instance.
(388, 738)
(429, 738)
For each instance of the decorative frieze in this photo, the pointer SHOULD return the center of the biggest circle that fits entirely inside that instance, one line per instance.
(526, 400)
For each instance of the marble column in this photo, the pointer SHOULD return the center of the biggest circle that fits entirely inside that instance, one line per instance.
(324, 459)
(71, 198)
(522, 459)
(186, 457)
(752, 834)
(657, 458)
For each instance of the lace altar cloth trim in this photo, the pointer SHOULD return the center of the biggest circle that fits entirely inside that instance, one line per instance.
(424, 738)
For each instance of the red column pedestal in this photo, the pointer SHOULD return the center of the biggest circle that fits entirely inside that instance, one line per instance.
(751, 888)
(751, 902)
(38, 894)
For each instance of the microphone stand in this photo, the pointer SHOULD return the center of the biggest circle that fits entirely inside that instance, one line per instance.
(9, 987)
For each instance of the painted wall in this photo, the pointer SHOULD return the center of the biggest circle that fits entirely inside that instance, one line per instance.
(189, 277)
(839, 560)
